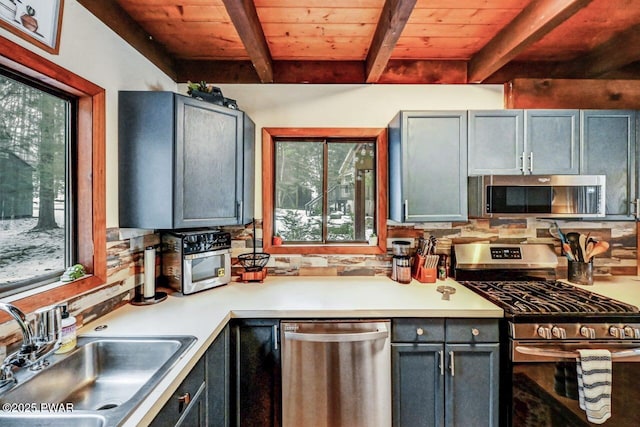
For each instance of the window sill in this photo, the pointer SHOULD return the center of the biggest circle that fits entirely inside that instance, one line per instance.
(329, 249)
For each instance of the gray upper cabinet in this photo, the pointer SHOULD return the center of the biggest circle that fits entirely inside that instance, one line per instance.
(183, 163)
(428, 166)
(496, 142)
(512, 142)
(552, 142)
(609, 148)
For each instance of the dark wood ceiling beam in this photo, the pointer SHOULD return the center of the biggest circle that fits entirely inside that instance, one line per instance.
(621, 50)
(216, 71)
(401, 71)
(533, 23)
(393, 18)
(113, 16)
(324, 72)
(245, 19)
(573, 93)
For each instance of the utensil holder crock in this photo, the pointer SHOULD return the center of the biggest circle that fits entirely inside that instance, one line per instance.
(580, 273)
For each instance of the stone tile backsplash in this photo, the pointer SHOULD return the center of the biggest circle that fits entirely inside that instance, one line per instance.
(620, 259)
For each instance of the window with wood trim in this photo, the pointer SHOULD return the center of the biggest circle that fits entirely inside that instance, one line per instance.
(324, 190)
(87, 123)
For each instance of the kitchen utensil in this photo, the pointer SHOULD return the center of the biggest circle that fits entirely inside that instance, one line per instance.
(566, 248)
(555, 231)
(598, 248)
(582, 240)
(574, 242)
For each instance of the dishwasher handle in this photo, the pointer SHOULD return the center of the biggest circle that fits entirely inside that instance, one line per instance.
(383, 333)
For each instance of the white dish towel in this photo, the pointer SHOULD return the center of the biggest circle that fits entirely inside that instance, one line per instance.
(594, 384)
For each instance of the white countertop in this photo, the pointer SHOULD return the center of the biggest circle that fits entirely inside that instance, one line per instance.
(204, 314)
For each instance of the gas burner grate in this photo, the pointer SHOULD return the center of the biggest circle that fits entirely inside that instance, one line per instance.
(547, 297)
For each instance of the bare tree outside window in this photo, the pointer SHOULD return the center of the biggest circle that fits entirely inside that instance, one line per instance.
(33, 184)
(324, 191)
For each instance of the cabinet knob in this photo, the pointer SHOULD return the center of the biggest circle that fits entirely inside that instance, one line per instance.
(475, 332)
(420, 331)
(183, 401)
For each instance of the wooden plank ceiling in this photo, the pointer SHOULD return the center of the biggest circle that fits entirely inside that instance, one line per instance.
(380, 41)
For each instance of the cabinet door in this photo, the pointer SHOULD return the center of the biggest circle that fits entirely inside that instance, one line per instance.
(196, 413)
(208, 178)
(552, 141)
(218, 381)
(186, 405)
(431, 167)
(609, 148)
(256, 387)
(472, 383)
(418, 385)
(496, 142)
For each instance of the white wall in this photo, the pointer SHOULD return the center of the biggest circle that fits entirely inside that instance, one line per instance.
(90, 49)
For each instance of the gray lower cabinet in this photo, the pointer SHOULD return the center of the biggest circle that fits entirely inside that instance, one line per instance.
(428, 166)
(202, 399)
(256, 373)
(609, 148)
(183, 162)
(513, 142)
(445, 372)
(218, 371)
(187, 406)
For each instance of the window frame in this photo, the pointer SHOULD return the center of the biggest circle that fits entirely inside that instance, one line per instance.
(269, 137)
(90, 171)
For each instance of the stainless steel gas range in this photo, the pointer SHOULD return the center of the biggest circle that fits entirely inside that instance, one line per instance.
(546, 323)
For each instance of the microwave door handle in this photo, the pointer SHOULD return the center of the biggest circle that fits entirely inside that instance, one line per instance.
(573, 354)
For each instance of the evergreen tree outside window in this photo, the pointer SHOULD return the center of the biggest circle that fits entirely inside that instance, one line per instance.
(325, 190)
(36, 216)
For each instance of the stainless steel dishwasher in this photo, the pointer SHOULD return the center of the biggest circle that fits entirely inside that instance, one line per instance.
(336, 373)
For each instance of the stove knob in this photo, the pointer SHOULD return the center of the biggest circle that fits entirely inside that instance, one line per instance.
(616, 332)
(559, 332)
(588, 332)
(632, 332)
(544, 332)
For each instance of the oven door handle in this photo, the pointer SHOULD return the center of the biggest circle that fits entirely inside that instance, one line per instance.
(572, 354)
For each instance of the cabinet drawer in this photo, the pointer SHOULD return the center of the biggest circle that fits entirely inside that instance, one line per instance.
(472, 330)
(173, 409)
(417, 330)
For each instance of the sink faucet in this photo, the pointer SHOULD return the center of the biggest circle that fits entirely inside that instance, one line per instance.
(40, 337)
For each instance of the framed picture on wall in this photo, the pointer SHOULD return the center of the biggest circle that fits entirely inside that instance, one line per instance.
(38, 21)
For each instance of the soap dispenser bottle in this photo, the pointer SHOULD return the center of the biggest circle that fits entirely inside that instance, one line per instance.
(68, 338)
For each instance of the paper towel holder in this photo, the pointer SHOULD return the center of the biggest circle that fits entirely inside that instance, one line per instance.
(145, 293)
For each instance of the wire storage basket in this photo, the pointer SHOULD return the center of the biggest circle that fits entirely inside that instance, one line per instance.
(254, 261)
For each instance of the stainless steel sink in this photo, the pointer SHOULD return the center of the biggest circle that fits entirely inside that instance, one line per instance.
(100, 383)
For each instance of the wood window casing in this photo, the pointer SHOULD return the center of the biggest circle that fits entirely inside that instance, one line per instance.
(269, 136)
(90, 171)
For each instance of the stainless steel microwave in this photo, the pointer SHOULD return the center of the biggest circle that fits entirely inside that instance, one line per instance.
(545, 196)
